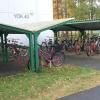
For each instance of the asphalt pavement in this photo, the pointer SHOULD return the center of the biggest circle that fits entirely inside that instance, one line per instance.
(83, 60)
(71, 58)
(91, 94)
(10, 69)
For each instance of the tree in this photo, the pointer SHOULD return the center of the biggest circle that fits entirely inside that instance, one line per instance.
(97, 12)
(80, 9)
(81, 12)
(70, 8)
(87, 9)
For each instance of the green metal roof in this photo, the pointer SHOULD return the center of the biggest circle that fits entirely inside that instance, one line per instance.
(80, 25)
(58, 25)
(11, 29)
(86, 25)
(32, 27)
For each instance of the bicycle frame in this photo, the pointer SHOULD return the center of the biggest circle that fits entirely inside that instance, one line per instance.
(46, 55)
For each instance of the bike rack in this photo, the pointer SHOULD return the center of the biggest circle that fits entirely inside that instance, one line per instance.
(60, 25)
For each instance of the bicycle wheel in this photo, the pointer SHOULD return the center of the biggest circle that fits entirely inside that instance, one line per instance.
(57, 60)
(88, 51)
(62, 55)
(23, 52)
(77, 51)
(98, 49)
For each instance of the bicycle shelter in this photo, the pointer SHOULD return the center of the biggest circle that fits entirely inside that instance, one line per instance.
(32, 31)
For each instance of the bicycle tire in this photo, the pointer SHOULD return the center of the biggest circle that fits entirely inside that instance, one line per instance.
(88, 51)
(57, 60)
(98, 49)
(62, 55)
(77, 51)
(23, 52)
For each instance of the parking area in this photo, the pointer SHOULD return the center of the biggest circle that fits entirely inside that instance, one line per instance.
(10, 68)
(83, 60)
(70, 58)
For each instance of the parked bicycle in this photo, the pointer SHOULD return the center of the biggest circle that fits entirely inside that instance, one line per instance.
(46, 45)
(69, 45)
(77, 47)
(98, 45)
(90, 47)
(17, 54)
(50, 57)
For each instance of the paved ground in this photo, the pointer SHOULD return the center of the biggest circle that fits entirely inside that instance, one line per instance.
(83, 60)
(91, 94)
(10, 69)
(71, 58)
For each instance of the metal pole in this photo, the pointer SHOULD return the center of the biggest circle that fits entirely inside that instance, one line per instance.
(31, 53)
(36, 52)
(5, 48)
(2, 46)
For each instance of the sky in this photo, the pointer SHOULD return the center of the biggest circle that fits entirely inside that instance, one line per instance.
(14, 12)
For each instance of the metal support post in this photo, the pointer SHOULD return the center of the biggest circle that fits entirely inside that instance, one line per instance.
(5, 48)
(2, 46)
(36, 51)
(31, 53)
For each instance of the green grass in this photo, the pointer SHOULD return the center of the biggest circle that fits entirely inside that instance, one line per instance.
(32, 86)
